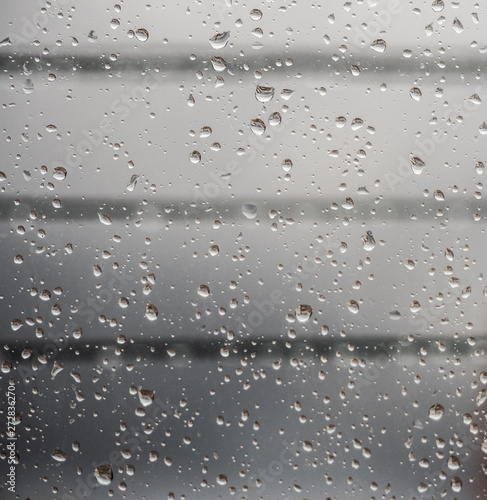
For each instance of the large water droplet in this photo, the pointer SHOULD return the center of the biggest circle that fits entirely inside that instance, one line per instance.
(59, 455)
(104, 474)
(204, 290)
(220, 40)
(353, 306)
(249, 210)
(438, 5)
(218, 63)
(195, 157)
(255, 14)
(104, 219)
(275, 119)
(417, 165)
(142, 35)
(415, 93)
(146, 396)
(303, 313)
(436, 411)
(395, 315)
(457, 25)
(151, 312)
(368, 241)
(264, 94)
(257, 126)
(132, 182)
(287, 165)
(378, 45)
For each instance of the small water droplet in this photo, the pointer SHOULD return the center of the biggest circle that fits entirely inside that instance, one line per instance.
(456, 484)
(15, 324)
(287, 94)
(114, 23)
(220, 40)
(415, 306)
(439, 196)
(28, 86)
(483, 128)
(355, 70)
(347, 203)
(475, 99)
(453, 462)
(205, 132)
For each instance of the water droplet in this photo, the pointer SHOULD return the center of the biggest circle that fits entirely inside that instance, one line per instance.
(28, 86)
(15, 324)
(303, 313)
(264, 94)
(151, 312)
(368, 241)
(249, 210)
(481, 397)
(287, 165)
(415, 306)
(104, 474)
(453, 462)
(59, 455)
(255, 14)
(205, 132)
(115, 23)
(257, 126)
(77, 333)
(214, 250)
(415, 93)
(195, 157)
(307, 446)
(438, 5)
(104, 219)
(97, 270)
(355, 70)
(142, 35)
(203, 290)
(457, 25)
(347, 203)
(456, 484)
(275, 119)
(7, 365)
(357, 123)
(60, 173)
(395, 315)
(132, 182)
(449, 254)
(218, 63)
(146, 396)
(436, 412)
(5, 42)
(220, 40)
(475, 99)
(483, 128)
(378, 45)
(153, 456)
(340, 121)
(353, 306)
(222, 479)
(417, 165)
(18, 259)
(57, 368)
(287, 94)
